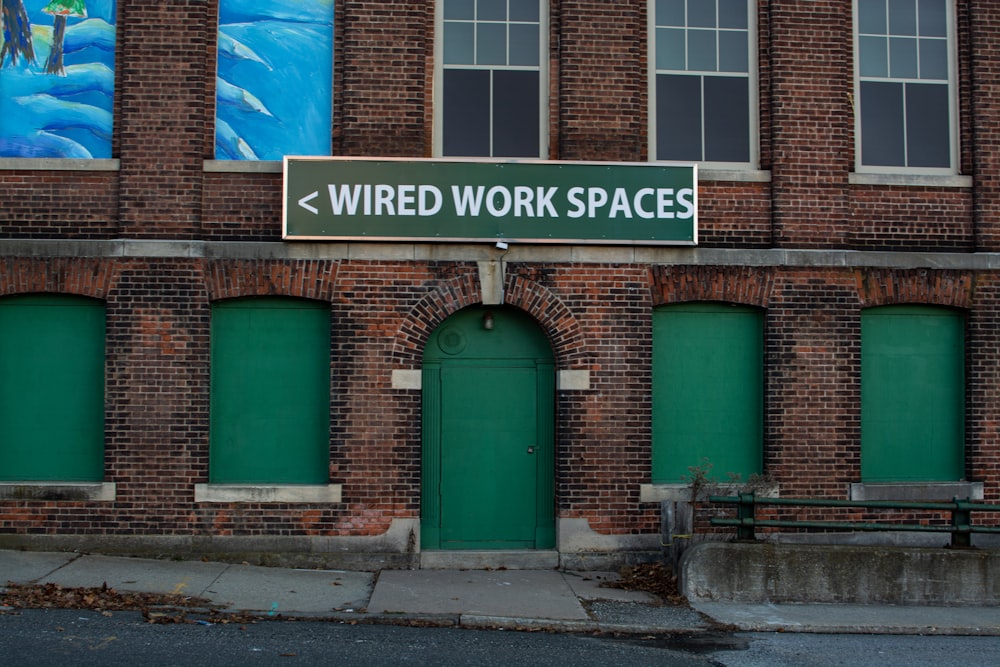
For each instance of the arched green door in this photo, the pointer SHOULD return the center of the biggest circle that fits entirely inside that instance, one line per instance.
(488, 406)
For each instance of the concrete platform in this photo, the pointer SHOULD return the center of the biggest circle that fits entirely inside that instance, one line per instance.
(544, 599)
(505, 593)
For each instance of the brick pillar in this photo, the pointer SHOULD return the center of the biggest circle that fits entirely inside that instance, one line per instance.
(813, 396)
(603, 80)
(811, 145)
(157, 392)
(984, 49)
(385, 88)
(164, 80)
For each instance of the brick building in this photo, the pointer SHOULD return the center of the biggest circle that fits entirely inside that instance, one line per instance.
(178, 377)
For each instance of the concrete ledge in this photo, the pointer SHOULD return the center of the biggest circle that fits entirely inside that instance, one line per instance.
(393, 549)
(60, 164)
(271, 493)
(243, 166)
(681, 493)
(910, 180)
(750, 573)
(489, 560)
(58, 491)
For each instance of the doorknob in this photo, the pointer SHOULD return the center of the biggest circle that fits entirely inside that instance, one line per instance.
(531, 449)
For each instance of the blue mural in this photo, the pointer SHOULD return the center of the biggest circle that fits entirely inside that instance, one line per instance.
(275, 79)
(57, 78)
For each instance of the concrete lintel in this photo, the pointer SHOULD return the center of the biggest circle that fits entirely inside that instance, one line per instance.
(491, 281)
(267, 493)
(58, 491)
(523, 253)
(407, 379)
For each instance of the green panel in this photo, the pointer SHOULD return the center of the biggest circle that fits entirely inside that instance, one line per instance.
(488, 461)
(912, 394)
(51, 388)
(488, 434)
(707, 390)
(270, 411)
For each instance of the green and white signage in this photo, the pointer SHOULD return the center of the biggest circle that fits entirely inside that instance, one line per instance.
(386, 199)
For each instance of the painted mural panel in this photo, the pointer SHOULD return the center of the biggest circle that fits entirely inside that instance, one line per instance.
(57, 78)
(275, 79)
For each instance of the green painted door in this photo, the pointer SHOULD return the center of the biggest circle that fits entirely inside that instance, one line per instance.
(488, 434)
(51, 388)
(270, 397)
(912, 394)
(708, 386)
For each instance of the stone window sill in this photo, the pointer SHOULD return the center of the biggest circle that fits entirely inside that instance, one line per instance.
(681, 493)
(267, 493)
(917, 491)
(59, 164)
(58, 491)
(922, 180)
(243, 166)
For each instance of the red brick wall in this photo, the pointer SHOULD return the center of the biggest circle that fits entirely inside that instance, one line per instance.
(603, 82)
(597, 315)
(165, 84)
(811, 144)
(68, 204)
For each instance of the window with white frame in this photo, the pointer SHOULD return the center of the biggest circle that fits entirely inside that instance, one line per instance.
(905, 66)
(703, 93)
(490, 100)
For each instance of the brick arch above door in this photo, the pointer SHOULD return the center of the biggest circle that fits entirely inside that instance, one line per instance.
(556, 319)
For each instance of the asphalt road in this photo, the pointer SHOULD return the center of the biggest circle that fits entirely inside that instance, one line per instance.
(84, 639)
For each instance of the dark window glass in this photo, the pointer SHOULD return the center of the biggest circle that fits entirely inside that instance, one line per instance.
(678, 117)
(933, 18)
(524, 10)
(466, 115)
(670, 12)
(903, 17)
(927, 125)
(882, 142)
(872, 17)
(727, 129)
(492, 10)
(733, 14)
(459, 10)
(515, 114)
(701, 13)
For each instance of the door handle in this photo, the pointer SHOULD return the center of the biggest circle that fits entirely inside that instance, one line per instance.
(531, 449)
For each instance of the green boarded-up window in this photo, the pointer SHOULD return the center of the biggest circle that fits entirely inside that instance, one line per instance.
(707, 390)
(912, 394)
(51, 388)
(270, 410)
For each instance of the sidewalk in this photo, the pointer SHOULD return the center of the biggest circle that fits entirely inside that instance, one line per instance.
(529, 599)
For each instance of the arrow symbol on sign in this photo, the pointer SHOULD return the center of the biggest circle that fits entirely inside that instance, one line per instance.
(303, 203)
